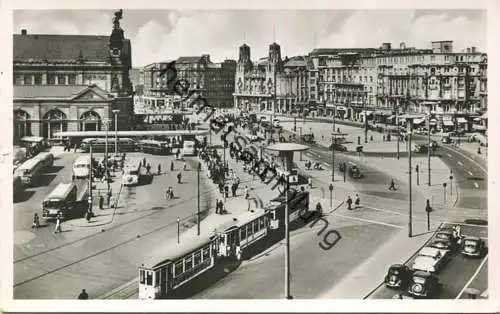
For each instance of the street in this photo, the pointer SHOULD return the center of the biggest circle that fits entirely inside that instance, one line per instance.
(99, 258)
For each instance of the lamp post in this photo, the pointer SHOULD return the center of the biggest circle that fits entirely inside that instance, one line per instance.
(286, 150)
(331, 196)
(116, 111)
(198, 220)
(106, 128)
(444, 193)
(410, 209)
(366, 120)
(429, 147)
(90, 175)
(178, 230)
(397, 127)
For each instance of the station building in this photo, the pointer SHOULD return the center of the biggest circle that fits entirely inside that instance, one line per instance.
(71, 83)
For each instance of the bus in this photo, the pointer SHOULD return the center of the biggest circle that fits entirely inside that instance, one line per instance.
(18, 187)
(46, 158)
(99, 145)
(30, 170)
(62, 200)
(81, 167)
(132, 172)
(154, 147)
(189, 148)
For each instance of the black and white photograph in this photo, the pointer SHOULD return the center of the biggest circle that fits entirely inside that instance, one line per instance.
(239, 153)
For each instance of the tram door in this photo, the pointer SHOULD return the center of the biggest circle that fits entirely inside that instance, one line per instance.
(229, 241)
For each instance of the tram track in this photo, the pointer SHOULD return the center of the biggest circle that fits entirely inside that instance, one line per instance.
(206, 197)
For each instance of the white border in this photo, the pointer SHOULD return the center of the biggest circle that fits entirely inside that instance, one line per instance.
(8, 304)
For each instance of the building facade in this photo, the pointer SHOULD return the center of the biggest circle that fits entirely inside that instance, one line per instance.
(374, 82)
(167, 85)
(71, 82)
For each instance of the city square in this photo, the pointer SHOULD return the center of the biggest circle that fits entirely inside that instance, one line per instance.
(336, 173)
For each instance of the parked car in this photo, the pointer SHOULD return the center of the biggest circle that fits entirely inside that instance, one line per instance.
(398, 276)
(430, 260)
(443, 245)
(354, 171)
(424, 285)
(473, 246)
(446, 140)
(420, 148)
(338, 147)
(447, 235)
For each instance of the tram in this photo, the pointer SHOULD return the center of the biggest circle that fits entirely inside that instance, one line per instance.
(154, 147)
(178, 263)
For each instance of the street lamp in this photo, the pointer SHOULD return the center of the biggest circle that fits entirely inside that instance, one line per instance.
(106, 128)
(116, 111)
(178, 230)
(286, 150)
(198, 220)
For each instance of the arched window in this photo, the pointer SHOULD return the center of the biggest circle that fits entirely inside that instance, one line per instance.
(54, 121)
(22, 124)
(90, 121)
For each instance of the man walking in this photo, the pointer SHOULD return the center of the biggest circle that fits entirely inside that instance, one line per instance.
(83, 295)
(179, 176)
(392, 186)
(58, 224)
(172, 165)
(349, 202)
(356, 201)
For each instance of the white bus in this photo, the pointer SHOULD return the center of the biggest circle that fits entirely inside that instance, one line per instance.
(81, 167)
(62, 200)
(30, 170)
(189, 148)
(132, 172)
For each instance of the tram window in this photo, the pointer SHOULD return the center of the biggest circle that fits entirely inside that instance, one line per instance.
(157, 278)
(243, 233)
(256, 225)
(250, 229)
(197, 258)
(141, 276)
(149, 278)
(178, 268)
(262, 223)
(206, 253)
(188, 262)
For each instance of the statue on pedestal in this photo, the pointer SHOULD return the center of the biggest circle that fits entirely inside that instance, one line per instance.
(116, 39)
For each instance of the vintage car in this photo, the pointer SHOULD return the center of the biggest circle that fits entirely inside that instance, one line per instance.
(354, 171)
(446, 140)
(398, 276)
(447, 235)
(442, 245)
(424, 285)
(430, 259)
(473, 246)
(338, 147)
(420, 148)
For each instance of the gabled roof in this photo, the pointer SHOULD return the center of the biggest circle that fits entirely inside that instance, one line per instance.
(296, 62)
(194, 59)
(61, 47)
(57, 91)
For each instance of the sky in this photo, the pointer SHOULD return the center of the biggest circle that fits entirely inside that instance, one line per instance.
(160, 35)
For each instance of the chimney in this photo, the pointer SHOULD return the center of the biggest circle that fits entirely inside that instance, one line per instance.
(468, 50)
(473, 49)
(386, 46)
(402, 46)
(24, 32)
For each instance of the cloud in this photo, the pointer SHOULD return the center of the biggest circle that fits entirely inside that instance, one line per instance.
(159, 35)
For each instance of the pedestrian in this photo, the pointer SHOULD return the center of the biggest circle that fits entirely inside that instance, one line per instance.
(246, 192)
(144, 162)
(185, 166)
(216, 206)
(349, 202)
(172, 165)
(36, 221)
(109, 197)
(356, 201)
(310, 182)
(148, 169)
(371, 138)
(101, 202)
(159, 169)
(392, 186)
(83, 295)
(319, 209)
(58, 224)
(88, 215)
(179, 176)
(226, 191)
(233, 189)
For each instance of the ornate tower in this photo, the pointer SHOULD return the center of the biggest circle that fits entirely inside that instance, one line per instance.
(120, 54)
(243, 67)
(274, 67)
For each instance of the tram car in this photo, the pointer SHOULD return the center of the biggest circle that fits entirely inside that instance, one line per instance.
(298, 204)
(179, 263)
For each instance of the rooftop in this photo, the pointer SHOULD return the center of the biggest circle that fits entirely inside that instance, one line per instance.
(61, 47)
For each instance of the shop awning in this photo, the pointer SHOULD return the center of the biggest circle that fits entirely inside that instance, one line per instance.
(418, 121)
(461, 120)
(447, 122)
